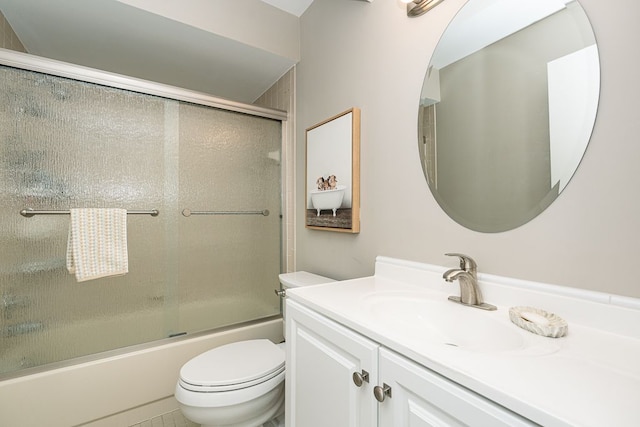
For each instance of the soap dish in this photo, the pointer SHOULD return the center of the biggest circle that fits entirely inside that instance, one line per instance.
(538, 321)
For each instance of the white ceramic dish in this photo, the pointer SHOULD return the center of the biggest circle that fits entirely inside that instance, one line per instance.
(538, 321)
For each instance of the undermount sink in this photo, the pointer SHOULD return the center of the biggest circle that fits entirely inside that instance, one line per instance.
(443, 322)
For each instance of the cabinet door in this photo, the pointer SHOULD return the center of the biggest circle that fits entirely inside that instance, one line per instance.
(322, 357)
(421, 398)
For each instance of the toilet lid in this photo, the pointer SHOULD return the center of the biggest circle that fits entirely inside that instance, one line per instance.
(234, 365)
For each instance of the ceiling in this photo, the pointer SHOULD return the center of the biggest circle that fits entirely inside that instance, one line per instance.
(294, 7)
(181, 47)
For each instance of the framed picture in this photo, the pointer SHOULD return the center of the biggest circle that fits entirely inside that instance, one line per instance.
(333, 174)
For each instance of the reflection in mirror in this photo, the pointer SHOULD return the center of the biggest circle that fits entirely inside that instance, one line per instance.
(507, 109)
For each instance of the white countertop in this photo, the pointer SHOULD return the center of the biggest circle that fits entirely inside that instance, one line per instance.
(591, 377)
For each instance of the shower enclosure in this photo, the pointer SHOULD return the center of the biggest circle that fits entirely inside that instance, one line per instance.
(72, 137)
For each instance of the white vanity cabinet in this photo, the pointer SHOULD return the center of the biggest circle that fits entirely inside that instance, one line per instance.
(321, 389)
(322, 357)
(421, 398)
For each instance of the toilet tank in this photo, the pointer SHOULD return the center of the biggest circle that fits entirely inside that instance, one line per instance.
(301, 278)
(296, 280)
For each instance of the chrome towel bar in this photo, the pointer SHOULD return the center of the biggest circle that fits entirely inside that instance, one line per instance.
(187, 212)
(29, 212)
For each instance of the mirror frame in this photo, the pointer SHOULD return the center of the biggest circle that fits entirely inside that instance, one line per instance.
(332, 172)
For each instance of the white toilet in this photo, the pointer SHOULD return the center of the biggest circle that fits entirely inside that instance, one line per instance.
(239, 384)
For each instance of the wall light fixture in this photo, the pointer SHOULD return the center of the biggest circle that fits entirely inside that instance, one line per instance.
(420, 7)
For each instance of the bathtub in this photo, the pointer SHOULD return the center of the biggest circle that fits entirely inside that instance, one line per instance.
(327, 199)
(118, 387)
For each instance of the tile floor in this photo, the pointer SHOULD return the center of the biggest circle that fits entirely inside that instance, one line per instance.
(170, 419)
(176, 419)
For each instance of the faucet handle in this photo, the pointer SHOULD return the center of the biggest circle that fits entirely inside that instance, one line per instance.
(466, 262)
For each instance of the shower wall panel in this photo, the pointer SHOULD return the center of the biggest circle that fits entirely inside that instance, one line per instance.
(66, 143)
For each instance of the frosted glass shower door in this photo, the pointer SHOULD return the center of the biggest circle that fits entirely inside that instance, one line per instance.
(229, 264)
(69, 144)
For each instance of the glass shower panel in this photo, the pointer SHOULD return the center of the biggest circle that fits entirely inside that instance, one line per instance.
(64, 144)
(229, 264)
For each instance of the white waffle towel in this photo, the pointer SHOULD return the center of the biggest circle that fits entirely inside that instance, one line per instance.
(97, 244)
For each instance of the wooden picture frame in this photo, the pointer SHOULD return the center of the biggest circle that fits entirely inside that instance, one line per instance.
(332, 201)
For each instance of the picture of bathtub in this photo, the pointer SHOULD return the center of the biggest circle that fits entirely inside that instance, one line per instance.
(327, 199)
(332, 201)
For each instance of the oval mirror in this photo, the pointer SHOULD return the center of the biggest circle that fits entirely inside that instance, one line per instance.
(507, 109)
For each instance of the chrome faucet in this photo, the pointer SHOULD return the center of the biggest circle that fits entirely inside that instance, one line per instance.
(467, 276)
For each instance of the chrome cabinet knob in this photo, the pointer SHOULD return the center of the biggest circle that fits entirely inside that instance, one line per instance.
(360, 378)
(280, 292)
(381, 392)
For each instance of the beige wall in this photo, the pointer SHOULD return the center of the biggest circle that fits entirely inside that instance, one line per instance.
(281, 96)
(371, 55)
(8, 38)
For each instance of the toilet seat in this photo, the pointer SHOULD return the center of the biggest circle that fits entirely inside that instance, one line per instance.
(233, 366)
